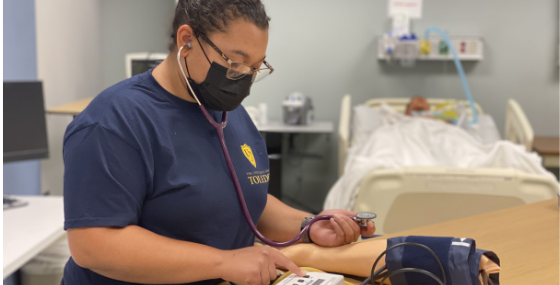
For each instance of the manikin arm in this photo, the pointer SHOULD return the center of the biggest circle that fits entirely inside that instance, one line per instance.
(354, 259)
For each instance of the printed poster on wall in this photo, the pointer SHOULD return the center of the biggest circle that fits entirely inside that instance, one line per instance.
(410, 8)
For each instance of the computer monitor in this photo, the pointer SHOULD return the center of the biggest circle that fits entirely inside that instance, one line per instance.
(25, 128)
(136, 63)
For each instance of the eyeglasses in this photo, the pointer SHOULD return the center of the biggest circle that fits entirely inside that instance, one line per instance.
(238, 70)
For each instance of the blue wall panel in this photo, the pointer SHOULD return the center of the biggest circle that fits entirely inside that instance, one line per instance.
(20, 64)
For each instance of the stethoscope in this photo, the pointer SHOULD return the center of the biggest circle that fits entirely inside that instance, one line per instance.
(362, 218)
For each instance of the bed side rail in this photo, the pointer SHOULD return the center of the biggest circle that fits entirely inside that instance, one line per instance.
(400, 104)
(518, 129)
(411, 197)
(344, 131)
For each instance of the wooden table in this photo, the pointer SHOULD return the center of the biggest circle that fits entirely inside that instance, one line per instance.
(548, 148)
(73, 108)
(525, 238)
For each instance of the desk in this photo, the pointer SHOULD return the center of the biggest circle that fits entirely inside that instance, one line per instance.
(548, 148)
(279, 139)
(272, 133)
(525, 238)
(316, 127)
(30, 229)
(73, 108)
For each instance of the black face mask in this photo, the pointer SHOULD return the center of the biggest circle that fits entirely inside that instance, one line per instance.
(217, 92)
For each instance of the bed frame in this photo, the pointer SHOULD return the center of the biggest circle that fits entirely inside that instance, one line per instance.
(411, 197)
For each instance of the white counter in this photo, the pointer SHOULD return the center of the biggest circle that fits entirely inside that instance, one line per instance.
(279, 127)
(30, 229)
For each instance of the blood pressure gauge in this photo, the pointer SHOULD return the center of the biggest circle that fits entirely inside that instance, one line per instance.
(363, 218)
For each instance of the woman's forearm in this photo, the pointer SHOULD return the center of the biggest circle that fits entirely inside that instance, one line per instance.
(280, 222)
(134, 254)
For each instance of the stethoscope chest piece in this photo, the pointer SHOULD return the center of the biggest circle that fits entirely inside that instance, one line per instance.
(363, 218)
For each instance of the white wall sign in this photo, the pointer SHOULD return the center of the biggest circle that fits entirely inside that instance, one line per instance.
(411, 8)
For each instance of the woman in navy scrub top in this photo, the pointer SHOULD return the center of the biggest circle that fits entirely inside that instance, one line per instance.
(148, 196)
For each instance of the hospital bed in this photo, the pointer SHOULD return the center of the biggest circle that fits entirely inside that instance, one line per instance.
(410, 197)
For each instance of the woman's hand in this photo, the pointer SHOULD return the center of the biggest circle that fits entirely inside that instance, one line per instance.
(339, 230)
(255, 265)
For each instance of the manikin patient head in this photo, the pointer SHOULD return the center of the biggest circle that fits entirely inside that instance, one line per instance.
(417, 103)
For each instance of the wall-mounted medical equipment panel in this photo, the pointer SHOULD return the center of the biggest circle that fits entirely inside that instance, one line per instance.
(435, 48)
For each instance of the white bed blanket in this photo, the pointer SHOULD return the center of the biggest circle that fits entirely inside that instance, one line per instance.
(403, 141)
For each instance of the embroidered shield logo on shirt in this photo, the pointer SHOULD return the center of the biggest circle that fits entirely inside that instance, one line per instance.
(249, 154)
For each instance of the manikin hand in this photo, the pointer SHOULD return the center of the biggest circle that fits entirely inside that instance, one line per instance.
(339, 230)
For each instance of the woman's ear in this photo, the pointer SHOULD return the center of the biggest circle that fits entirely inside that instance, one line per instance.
(185, 36)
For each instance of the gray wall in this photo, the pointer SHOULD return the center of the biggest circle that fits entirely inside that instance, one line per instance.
(69, 64)
(325, 48)
(129, 26)
(78, 61)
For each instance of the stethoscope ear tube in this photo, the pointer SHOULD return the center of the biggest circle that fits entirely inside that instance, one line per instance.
(185, 77)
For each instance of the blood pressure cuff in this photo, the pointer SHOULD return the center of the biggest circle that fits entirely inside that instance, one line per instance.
(458, 256)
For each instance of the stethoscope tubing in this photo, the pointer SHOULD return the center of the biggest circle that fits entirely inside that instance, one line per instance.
(220, 131)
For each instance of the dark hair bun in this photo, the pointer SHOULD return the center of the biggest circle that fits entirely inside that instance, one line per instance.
(208, 16)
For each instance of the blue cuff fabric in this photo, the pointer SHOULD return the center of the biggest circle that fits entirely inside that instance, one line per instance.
(458, 256)
(474, 262)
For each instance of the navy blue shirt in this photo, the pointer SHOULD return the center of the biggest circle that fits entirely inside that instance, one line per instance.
(138, 155)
